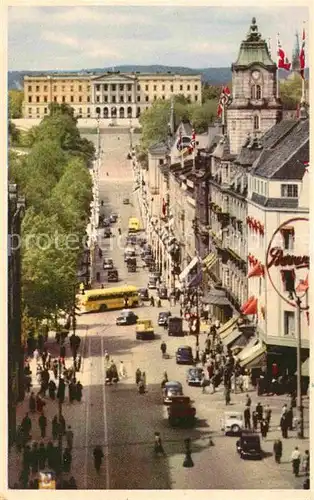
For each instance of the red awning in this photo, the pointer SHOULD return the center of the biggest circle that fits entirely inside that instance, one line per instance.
(303, 286)
(258, 270)
(251, 308)
(247, 303)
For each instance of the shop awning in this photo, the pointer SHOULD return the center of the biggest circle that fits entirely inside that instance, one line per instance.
(188, 269)
(240, 342)
(233, 335)
(216, 297)
(227, 327)
(247, 349)
(255, 356)
(210, 260)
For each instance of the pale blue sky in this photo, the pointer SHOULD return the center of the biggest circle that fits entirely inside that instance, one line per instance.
(85, 37)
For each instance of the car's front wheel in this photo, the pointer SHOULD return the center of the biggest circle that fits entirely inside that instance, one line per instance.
(235, 429)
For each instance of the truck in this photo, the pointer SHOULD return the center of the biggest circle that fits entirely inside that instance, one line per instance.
(175, 326)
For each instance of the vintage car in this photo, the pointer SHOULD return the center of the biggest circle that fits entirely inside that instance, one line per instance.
(113, 275)
(232, 422)
(131, 264)
(129, 252)
(184, 355)
(171, 389)
(163, 318)
(162, 292)
(249, 445)
(143, 294)
(144, 329)
(113, 218)
(127, 317)
(107, 232)
(108, 264)
(152, 282)
(175, 326)
(106, 222)
(194, 376)
(181, 412)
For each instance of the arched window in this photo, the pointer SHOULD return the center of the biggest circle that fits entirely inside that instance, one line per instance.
(113, 112)
(256, 122)
(106, 112)
(129, 111)
(97, 111)
(258, 92)
(121, 113)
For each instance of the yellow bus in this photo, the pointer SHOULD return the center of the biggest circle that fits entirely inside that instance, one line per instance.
(104, 299)
(134, 225)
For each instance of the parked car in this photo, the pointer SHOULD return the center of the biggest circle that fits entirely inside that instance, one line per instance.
(181, 411)
(163, 318)
(175, 326)
(232, 422)
(171, 389)
(129, 252)
(184, 355)
(126, 201)
(194, 376)
(143, 294)
(113, 275)
(152, 282)
(162, 292)
(249, 445)
(108, 264)
(127, 317)
(107, 232)
(113, 218)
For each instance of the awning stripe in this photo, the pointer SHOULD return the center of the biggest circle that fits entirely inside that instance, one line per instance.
(255, 352)
(226, 326)
(232, 335)
(188, 269)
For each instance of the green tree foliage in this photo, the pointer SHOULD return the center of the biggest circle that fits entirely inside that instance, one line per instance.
(154, 122)
(13, 133)
(210, 92)
(291, 91)
(16, 98)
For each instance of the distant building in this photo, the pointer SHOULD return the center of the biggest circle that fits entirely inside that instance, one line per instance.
(111, 95)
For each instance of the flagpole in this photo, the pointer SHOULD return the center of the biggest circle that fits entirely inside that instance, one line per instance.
(223, 118)
(181, 152)
(303, 79)
(277, 72)
(194, 147)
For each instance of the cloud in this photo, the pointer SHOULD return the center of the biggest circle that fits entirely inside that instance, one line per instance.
(61, 39)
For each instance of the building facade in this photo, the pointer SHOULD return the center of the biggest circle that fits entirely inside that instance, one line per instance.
(112, 95)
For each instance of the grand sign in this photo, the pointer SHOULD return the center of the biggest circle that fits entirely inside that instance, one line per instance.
(285, 263)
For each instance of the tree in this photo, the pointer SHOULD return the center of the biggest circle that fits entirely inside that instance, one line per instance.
(154, 122)
(290, 91)
(16, 98)
(14, 133)
(210, 92)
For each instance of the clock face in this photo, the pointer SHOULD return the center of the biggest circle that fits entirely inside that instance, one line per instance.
(256, 75)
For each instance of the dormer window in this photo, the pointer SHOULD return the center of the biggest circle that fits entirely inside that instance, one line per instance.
(256, 122)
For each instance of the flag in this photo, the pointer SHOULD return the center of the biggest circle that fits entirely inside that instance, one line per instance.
(251, 308)
(258, 270)
(192, 143)
(282, 60)
(303, 285)
(306, 166)
(302, 55)
(224, 100)
(180, 143)
(164, 207)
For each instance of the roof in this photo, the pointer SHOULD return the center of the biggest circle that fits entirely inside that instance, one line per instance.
(160, 148)
(275, 202)
(254, 50)
(222, 150)
(286, 147)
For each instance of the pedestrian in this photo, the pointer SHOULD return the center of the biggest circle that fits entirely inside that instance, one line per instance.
(26, 426)
(247, 417)
(20, 441)
(227, 395)
(98, 456)
(277, 450)
(203, 383)
(39, 403)
(138, 375)
(259, 411)
(267, 414)
(52, 389)
(246, 381)
(264, 428)
(34, 458)
(79, 391)
(284, 426)
(255, 421)
(61, 390)
(69, 437)
(296, 460)
(306, 462)
(55, 368)
(62, 425)
(122, 370)
(152, 301)
(44, 357)
(143, 378)
(42, 422)
(289, 416)
(50, 455)
(78, 363)
(284, 409)
(55, 427)
(72, 391)
(26, 460)
(42, 456)
(32, 403)
(248, 401)
(107, 357)
(62, 352)
(158, 447)
(67, 460)
(36, 355)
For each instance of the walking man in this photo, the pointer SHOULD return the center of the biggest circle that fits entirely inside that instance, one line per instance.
(69, 437)
(277, 450)
(98, 456)
(296, 459)
(42, 421)
(247, 417)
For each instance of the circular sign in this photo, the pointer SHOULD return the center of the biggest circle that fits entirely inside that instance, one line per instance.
(280, 260)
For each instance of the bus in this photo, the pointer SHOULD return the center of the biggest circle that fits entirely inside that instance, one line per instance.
(105, 299)
(134, 225)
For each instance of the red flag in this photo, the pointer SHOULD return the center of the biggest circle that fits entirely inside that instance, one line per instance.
(192, 143)
(224, 100)
(302, 55)
(303, 286)
(258, 270)
(282, 61)
(251, 308)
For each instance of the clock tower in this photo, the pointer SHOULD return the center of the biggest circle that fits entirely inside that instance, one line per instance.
(255, 107)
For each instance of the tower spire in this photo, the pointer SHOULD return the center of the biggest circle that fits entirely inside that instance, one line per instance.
(295, 66)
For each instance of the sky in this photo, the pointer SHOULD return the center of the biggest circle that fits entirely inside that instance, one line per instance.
(83, 37)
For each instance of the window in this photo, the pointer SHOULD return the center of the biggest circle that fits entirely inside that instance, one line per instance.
(138, 87)
(196, 87)
(113, 98)
(188, 87)
(163, 97)
(80, 88)
(88, 98)
(289, 322)
(121, 87)
(129, 98)
(63, 88)
(234, 125)
(113, 87)
(29, 98)
(163, 87)
(88, 88)
(121, 98)
(146, 87)
(88, 110)
(171, 88)
(106, 87)
(258, 92)
(181, 87)
(138, 113)
(30, 111)
(45, 98)
(189, 98)
(129, 87)
(196, 98)
(72, 98)
(80, 111)
(55, 99)
(37, 88)
(45, 111)
(37, 111)
(146, 98)
(105, 98)
(37, 98)
(98, 88)
(80, 98)
(155, 97)
(97, 98)
(155, 88)
(257, 189)
(161, 161)
(71, 88)
(55, 88)
(256, 122)
(45, 88)
(287, 234)
(29, 88)
(138, 98)
(289, 190)
(63, 98)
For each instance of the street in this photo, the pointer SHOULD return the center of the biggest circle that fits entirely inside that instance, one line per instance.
(122, 421)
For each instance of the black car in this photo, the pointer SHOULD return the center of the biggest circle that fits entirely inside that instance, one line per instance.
(175, 326)
(184, 355)
(162, 292)
(143, 294)
(163, 318)
(113, 218)
(108, 264)
(107, 232)
(194, 376)
(249, 445)
(113, 275)
(127, 317)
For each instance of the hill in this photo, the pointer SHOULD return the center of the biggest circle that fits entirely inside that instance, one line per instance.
(213, 76)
